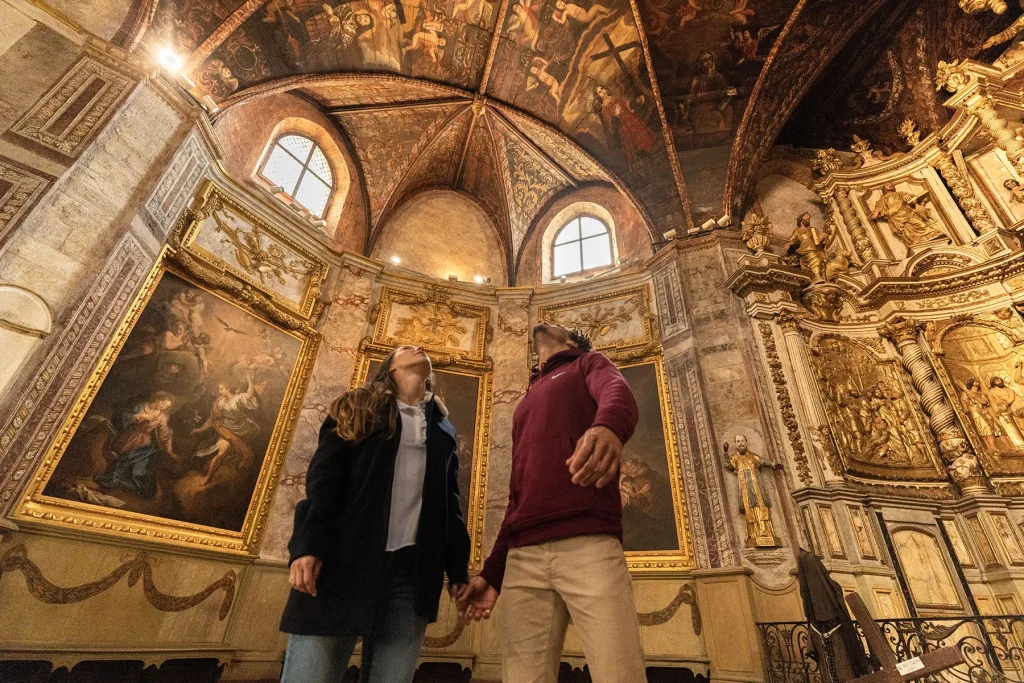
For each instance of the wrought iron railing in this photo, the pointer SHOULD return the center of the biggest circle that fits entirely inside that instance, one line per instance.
(992, 647)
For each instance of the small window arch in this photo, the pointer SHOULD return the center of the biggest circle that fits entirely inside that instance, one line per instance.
(582, 244)
(298, 166)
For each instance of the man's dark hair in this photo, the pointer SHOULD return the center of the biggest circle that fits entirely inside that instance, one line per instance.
(581, 340)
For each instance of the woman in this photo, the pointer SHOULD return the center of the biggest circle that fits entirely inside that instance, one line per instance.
(380, 527)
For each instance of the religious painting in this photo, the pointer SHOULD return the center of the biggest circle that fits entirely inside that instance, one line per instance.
(610, 321)
(874, 413)
(180, 432)
(833, 539)
(982, 367)
(963, 555)
(927, 573)
(655, 530)
(433, 320)
(1007, 538)
(466, 393)
(988, 554)
(220, 229)
(862, 533)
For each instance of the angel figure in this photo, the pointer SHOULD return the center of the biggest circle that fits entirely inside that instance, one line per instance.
(524, 18)
(428, 40)
(909, 220)
(740, 12)
(1016, 191)
(747, 46)
(539, 76)
(465, 9)
(567, 10)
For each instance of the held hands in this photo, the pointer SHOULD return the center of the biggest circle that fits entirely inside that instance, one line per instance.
(476, 599)
(596, 458)
(303, 574)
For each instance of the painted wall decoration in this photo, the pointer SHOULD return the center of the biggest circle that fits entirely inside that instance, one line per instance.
(432, 319)
(862, 532)
(654, 517)
(467, 395)
(926, 570)
(220, 229)
(616, 321)
(180, 432)
(873, 412)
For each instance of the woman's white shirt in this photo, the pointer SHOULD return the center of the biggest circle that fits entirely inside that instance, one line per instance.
(410, 470)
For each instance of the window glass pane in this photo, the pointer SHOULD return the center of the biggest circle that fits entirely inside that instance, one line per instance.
(568, 233)
(282, 170)
(297, 145)
(592, 226)
(313, 194)
(318, 164)
(597, 251)
(567, 259)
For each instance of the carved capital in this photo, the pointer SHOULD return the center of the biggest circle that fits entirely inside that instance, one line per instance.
(788, 322)
(900, 331)
(951, 75)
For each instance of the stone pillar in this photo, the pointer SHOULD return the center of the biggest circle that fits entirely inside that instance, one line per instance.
(808, 405)
(964, 193)
(961, 463)
(861, 241)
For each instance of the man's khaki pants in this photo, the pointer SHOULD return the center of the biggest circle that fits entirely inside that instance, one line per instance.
(584, 577)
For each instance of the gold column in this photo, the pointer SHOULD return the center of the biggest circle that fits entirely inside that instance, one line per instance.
(961, 187)
(861, 241)
(961, 463)
(1007, 140)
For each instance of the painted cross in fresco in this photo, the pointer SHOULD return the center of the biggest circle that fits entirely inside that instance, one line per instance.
(615, 52)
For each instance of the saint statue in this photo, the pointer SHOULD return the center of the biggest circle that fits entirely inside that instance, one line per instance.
(753, 503)
(909, 221)
(808, 244)
(1006, 405)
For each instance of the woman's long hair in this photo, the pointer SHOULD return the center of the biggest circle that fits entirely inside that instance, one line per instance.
(373, 406)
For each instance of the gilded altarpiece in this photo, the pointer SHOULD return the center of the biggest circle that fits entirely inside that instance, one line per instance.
(981, 365)
(656, 532)
(874, 414)
(455, 335)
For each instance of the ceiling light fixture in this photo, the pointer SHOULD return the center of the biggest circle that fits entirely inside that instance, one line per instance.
(170, 60)
(396, 260)
(479, 279)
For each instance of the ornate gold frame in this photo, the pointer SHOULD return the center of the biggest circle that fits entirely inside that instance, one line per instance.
(440, 297)
(644, 345)
(477, 494)
(210, 198)
(36, 508)
(645, 562)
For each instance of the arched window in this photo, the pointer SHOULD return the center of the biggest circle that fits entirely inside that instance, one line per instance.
(582, 244)
(299, 167)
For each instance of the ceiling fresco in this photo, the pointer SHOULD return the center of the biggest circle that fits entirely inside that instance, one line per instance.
(674, 102)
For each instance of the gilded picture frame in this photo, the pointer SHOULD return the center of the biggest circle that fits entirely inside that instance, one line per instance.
(601, 315)
(92, 513)
(452, 372)
(262, 255)
(432, 319)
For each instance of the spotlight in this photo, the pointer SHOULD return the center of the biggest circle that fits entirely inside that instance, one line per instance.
(479, 279)
(169, 60)
(396, 260)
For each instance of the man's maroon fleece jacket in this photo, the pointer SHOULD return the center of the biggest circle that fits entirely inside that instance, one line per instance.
(573, 391)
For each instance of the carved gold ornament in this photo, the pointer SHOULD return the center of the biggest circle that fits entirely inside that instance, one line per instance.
(756, 232)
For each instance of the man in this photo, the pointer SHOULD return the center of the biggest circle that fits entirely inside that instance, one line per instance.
(559, 551)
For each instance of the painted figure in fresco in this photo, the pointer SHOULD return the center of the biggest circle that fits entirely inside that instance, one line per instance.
(428, 42)
(808, 243)
(707, 106)
(567, 10)
(539, 76)
(524, 25)
(142, 434)
(623, 125)
(289, 30)
(646, 504)
(465, 9)
(910, 222)
(1016, 191)
(232, 423)
(217, 79)
(1003, 400)
(687, 12)
(978, 406)
(753, 503)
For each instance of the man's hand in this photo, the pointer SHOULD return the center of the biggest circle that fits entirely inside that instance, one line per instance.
(476, 600)
(303, 574)
(596, 458)
(454, 589)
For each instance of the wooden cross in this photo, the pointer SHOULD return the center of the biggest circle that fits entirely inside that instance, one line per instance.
(614, 51)
(894, 671)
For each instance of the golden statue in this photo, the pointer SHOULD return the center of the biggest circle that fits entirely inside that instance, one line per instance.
(753, 503)
(909, 221)
(978, 406)
(808, 243)
(1003, 400)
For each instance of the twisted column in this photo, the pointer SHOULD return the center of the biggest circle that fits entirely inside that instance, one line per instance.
(961, 463)
(997, 127)
(964, 193)
(861, 241)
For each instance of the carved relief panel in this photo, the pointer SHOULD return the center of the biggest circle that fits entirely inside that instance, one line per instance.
(1000, 186)
(981, 365)
(613, 322)
(432, 319)
(873, 412)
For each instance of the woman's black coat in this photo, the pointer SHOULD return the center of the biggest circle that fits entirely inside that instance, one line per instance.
(344, 522)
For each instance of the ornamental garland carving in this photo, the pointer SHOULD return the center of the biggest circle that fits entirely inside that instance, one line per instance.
(785, 404)
(433, 319)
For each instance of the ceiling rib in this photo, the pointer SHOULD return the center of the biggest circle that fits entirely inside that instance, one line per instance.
(492, 49)
(226, 28)
(412, 104)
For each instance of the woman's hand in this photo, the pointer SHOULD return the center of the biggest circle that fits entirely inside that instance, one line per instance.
(454, 589)
(303, 574)
(477, 600)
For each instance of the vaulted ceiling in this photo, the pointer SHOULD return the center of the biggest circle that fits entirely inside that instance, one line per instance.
(675, 102)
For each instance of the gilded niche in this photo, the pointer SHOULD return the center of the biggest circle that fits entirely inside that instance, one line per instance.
(874, 415)
(982, 368)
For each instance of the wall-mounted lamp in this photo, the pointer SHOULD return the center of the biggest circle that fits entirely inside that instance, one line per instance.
(479, 279)
(396, 260)
(170, 60)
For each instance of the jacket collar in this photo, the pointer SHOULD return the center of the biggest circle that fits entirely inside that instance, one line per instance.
(554, 361)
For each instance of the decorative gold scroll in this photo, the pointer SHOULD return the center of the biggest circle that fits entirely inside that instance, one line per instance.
(616, 323)
(433, 320)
